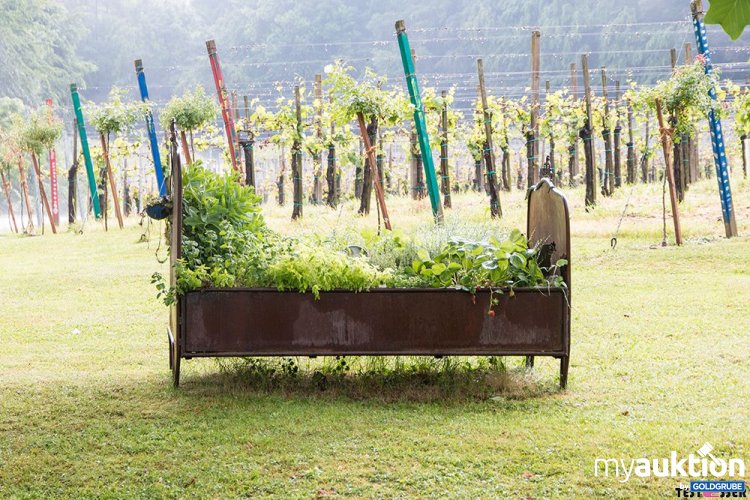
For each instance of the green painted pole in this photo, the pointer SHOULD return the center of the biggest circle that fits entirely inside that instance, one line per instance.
(85, 149)
(419, 121)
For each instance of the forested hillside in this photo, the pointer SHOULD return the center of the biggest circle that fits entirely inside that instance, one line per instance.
(49, 44)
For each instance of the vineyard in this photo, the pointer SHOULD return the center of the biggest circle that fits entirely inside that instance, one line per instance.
(419, 274)
(309, 144)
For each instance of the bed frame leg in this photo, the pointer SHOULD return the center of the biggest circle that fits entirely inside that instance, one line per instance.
(174, 359)
(176, 368)
(564, 371)
(529, 362)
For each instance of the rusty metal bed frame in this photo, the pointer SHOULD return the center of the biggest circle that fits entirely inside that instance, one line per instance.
(243, 322)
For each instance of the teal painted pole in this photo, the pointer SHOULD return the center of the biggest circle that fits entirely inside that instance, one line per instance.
(419, 121)
(86, 152)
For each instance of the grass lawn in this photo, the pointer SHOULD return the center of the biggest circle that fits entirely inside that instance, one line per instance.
(659, 363)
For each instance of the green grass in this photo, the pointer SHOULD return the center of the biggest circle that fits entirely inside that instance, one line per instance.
(659, 363)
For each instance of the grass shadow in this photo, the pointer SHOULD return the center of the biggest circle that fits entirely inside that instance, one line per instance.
(416, 379)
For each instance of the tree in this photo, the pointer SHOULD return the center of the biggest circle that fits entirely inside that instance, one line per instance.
(191, 112)
(39, 50)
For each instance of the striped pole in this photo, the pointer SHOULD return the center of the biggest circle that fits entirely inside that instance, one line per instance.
(714, 125)
(419, 121)
(52, 154)
(151, 130)
(86, 152)
(226, 112)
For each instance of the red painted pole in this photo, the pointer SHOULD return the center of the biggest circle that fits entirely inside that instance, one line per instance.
(221, 90)
(53, 177)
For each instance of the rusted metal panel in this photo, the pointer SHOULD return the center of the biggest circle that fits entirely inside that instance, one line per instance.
(231, 322)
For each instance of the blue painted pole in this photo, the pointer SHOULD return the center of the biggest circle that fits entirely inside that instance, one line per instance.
(151, 130)
(714, 125)
(419, 121)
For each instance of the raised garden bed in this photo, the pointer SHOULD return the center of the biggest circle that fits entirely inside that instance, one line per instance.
(220, 322)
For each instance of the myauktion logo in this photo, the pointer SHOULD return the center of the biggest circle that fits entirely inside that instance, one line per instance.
(703, 466)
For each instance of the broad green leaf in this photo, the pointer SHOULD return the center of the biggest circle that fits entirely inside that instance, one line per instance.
(732, 15)
(438, 269)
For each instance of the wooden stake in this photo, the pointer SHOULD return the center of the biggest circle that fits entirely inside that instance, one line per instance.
(573, 148)
(25, 190)
(185, 148)
(297, 159)
(489, 153)
(608, 185)
(446, 180)
(317, 158)
(533, 174)
(618, 133)
(73, 177)
(588, 136)
(6, 190)
(111, 177)
(42, 192)
(369, 150)
(666, 136)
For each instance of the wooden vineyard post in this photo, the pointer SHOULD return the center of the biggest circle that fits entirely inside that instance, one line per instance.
(25, 190)
(380, 159)
(505, 162)
(151, 130)
(226, 113)
(416, 173)
(317, 194)
(644, 158)
(369, 168)
(694, 138)
(717, 137)
(185, 148)
(73, 177)
(587, 134)
(489, 153)
(533, 173)
(630, 147)
(608, 184)
(235, 106)
(43, 192)
(247, 142)
(86, 153)
(280, 182)
(111, 177)
(297, 159)
(676, 147)
(419, 121)
(331, 197)
(6, 190)
(573, 146)
(617, 136)
(375, 175)
(552, 171)
(665, 140)
(358, 173)
(444, 174)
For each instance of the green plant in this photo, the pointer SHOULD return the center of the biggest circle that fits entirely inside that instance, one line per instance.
(318, 268)
(40, 131)
(225, 239)
(468, 265)
(193, 110)
(116, 115)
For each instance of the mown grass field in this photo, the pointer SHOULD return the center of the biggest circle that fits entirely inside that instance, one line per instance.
(659, 363)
